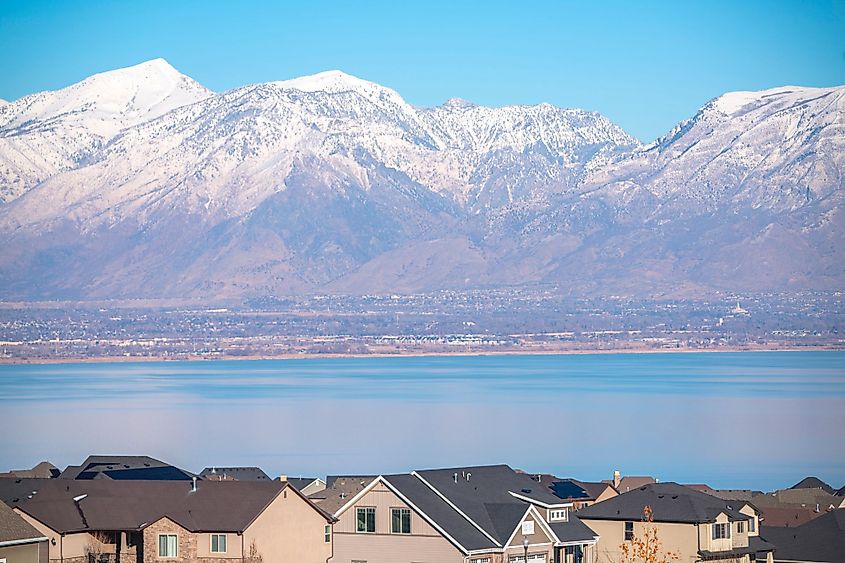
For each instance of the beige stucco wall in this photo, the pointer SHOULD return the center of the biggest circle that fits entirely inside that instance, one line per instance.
(27, 553)
(69, 546)
(423, 545)
(679, 538)
(233, 546)
(289, 529)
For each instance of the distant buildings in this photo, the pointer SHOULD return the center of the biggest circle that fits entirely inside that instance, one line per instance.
(819, 541)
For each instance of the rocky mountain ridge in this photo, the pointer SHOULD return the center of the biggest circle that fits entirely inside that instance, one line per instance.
(153, 186)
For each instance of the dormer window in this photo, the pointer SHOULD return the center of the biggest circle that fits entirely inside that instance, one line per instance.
(561, 515)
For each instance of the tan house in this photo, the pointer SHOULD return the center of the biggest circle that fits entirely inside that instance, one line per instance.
(695, 525)
(19, 541)
(488, 514)
(199, 521)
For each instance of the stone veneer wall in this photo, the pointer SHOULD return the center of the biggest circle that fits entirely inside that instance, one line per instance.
(187, 545)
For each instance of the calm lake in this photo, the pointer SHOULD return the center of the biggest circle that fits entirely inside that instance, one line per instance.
(750, 420)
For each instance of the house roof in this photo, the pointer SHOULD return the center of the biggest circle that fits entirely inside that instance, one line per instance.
(813, 483)
(823, 539)
(840, 492)
(301, 482)
(130, 505)
(125, 467)
(572, 531)
(341, 489)
(15, 529)
(444, 515)
(670, 502)
(43, 470)
(234, 474)
(786, 517)
(15, 491)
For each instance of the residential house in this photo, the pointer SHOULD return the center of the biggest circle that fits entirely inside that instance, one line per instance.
(306, 485)
(695, 525)
(819, 541)
(793, 507)
(813, 483)
(125, 467)
(19, 541)
(629, 482)
(486, 514)
(234, 474)
(579, 493)
(43, 470)
(198, 521)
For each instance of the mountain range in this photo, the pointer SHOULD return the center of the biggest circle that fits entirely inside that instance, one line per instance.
(141, 183)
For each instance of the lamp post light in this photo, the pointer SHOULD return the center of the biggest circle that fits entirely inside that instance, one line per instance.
(525, 549)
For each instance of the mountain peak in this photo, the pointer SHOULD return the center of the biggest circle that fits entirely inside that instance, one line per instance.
(732, 102)
(327, 81)
(458, 103)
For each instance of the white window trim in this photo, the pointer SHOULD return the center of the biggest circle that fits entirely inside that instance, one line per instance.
(375, 524)
(168, 556)
(211, 543)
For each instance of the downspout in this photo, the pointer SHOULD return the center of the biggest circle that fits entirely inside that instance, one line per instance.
(331, 556)
(242, 547)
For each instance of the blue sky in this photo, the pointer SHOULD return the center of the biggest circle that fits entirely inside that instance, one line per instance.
(646, 65)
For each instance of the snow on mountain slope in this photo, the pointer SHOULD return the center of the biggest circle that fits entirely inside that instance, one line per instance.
(332, 183)
(49, 132)
(224, 155)
(780, 149)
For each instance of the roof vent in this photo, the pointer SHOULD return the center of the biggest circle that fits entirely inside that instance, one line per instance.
(526, 491)
(455, 477)
(468, 475)
(79, 498)
(193, 484)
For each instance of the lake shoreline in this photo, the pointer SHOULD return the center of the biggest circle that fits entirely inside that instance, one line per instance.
(416, 354)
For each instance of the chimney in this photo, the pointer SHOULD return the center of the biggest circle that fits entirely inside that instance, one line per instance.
(283, 477)
(616, 479)
(194, 485)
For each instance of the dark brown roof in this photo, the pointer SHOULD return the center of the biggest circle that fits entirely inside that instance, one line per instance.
(43, 470)
(813, 483)
(342, 489)
(130, 505)
(13, 528)
(823, 539)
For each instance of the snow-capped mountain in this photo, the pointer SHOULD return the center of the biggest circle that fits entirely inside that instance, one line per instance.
(159, 187)
(51, 132)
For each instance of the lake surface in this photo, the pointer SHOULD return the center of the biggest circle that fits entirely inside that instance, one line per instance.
(761, 420)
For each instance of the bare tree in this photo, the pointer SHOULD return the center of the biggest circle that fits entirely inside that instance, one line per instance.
(253, 556)
(647, 547)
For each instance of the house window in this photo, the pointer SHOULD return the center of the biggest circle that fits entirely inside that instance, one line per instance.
(740, 527)
(752, 525)
(480, 560)
(721, 531)
(400, 521)
(573, 554)
(629, 531)
(327, 533)
(167, 545)
(218, 543)
(559, 515)
(532, 558)
(365, 521)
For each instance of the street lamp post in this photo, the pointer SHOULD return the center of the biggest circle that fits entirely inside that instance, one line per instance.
(525, 549)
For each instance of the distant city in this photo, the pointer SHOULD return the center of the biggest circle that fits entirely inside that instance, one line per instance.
(517, 320)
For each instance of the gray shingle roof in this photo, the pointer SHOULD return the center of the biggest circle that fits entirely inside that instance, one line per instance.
(822, 539)
(573, 531)
(129, 505)
(813, 483)
(670, 502)
(481, 491)
(446, 517)
(234, 474)
(13, 528)
(125, 467)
